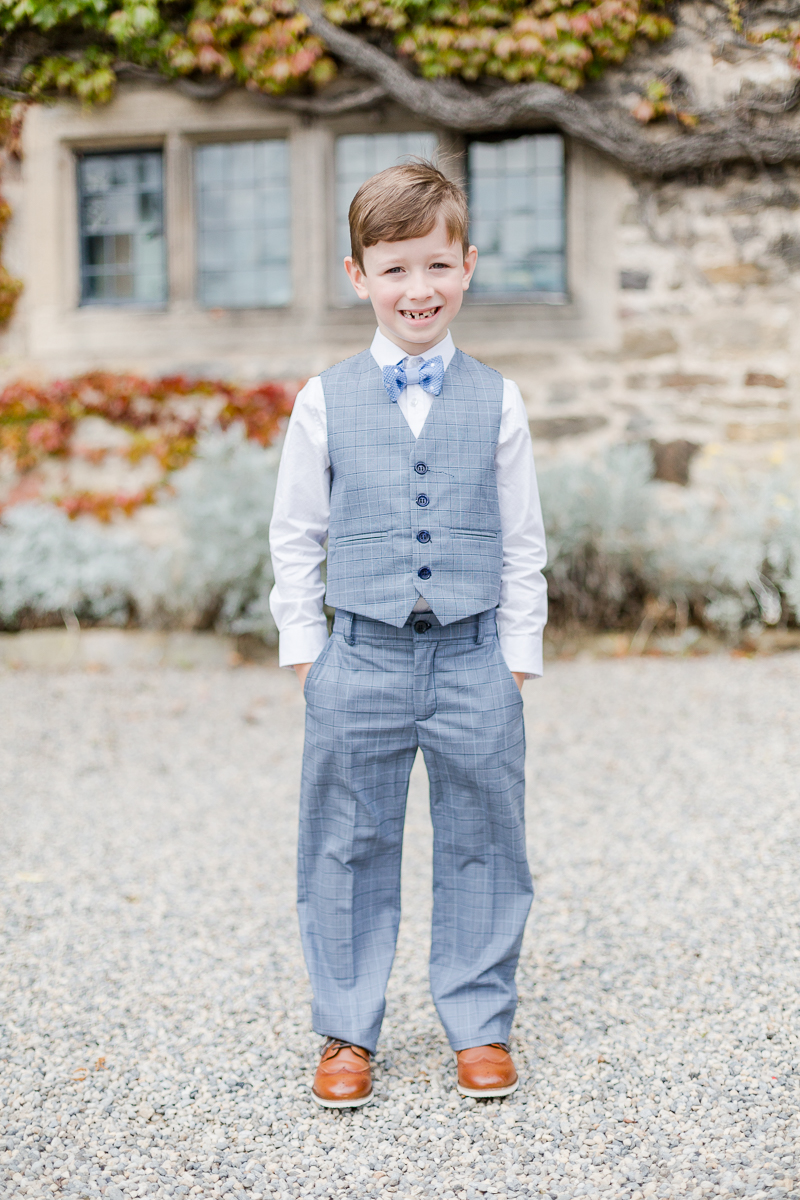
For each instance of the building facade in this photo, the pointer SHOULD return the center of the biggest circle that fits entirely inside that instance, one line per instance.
(165, 235)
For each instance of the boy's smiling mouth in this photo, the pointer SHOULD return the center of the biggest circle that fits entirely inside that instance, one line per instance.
(420, 314)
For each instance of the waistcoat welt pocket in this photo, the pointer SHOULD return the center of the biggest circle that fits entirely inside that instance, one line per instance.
(473, 533)
(350, 538)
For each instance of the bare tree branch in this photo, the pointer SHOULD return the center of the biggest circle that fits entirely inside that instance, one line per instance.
(213, 88)
(10, 94)
(328, 106)
(19, 53)
(602, 125)
(203, 89)
(774, 105)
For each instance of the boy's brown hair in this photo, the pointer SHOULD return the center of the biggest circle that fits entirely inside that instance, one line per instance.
(405, 202)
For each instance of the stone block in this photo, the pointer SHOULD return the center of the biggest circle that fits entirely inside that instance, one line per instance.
(770, 407)
(671, 460)
(763, 431)
(740, 274)
(762, 379)
(687, 383)
(634, 281)
(551, 428)
(731, 334)
(563, 391)
(647, 343)
(639, 425)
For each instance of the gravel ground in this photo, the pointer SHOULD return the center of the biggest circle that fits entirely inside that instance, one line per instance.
(155, 1018)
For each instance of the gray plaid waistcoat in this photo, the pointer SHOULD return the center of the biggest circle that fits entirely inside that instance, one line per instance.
(413, 516)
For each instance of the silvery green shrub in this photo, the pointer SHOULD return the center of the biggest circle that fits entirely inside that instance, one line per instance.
(49, 564)
(217, 573)
(596, 514)
(732, 555)
(729, 555)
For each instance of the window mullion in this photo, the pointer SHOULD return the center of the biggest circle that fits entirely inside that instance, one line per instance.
(179, 219)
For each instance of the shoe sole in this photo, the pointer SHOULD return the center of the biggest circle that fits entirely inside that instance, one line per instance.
(487, 1093)
(342, 1103)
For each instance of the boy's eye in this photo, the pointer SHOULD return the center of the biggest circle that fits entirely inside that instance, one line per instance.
(442, 266)
(393, 270)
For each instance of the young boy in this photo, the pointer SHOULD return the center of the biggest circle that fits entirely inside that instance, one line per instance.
(414, 462)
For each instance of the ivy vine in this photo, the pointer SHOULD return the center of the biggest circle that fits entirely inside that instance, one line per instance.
(80, 47)
(38, 422)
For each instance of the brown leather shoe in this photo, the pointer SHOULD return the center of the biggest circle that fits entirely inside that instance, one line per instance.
(486, 1071)
(343, 1078)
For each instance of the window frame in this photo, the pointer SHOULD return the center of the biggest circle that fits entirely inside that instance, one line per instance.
(551, 299)
(219, 138)
(79, 156)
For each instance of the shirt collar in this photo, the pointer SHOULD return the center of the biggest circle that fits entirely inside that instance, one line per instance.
(386, 353)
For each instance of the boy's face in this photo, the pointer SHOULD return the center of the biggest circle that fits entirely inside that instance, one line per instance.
(416, 286)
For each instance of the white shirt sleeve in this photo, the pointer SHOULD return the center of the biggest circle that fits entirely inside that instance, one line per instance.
(522, 611)
(299, 530)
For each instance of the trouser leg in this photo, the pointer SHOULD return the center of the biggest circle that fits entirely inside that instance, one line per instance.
(474, 748)
(359, 750)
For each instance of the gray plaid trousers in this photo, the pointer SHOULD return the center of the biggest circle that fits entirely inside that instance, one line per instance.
(374, 696)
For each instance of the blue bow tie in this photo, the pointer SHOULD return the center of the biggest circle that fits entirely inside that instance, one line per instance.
(429, 375)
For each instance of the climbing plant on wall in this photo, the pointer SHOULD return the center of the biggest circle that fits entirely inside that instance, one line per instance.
(39, 422)
(81, 46)
(10, 287)
(470, 65)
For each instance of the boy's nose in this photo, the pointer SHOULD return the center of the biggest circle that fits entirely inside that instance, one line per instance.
(419, 288)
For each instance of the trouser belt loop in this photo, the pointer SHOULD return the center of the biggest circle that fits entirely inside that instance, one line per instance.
(347, 626)
(485, 625)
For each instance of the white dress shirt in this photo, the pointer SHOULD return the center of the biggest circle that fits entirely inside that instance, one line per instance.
(299, 528)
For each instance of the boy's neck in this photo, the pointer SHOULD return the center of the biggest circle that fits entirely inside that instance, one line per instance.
(412, 348)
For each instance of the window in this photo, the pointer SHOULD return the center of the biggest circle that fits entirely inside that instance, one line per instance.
(516, 191)
(359, 156)
(122, 228)
(243, 224)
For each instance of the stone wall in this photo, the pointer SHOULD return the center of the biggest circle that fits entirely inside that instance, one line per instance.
(707, 345)
(682, 326)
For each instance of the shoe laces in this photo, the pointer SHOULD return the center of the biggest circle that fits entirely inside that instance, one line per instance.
(334, 1045)
(490, 1045)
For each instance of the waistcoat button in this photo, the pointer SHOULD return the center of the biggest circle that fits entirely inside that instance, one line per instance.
(423, 536)
(422, 626)
(420, 468)
(424, 572)
(423, 501)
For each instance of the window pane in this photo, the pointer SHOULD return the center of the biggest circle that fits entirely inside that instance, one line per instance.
(358, 157)
(243, 224)
(122, 232)
(516, 190)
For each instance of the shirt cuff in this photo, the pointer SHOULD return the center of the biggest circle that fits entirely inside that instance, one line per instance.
(523, 652)
(302, 644)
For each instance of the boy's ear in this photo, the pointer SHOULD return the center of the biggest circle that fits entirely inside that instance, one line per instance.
(357, 277)
(470, 263)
